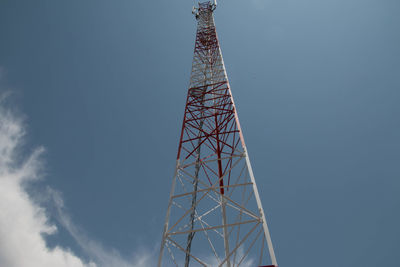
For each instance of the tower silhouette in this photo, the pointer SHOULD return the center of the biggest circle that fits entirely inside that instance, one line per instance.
(214, 216)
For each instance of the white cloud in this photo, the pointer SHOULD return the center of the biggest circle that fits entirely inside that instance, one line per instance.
(95, 250)
(23, 222)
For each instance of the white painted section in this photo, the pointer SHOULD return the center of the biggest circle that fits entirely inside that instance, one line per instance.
(259, 204)
(168, 214)
(224, 223)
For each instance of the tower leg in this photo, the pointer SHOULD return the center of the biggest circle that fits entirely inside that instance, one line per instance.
(226, 237)
(164, 235)
(259, 204)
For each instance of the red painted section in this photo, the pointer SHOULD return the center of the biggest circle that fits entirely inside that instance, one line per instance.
(210, 124)
(221, 180)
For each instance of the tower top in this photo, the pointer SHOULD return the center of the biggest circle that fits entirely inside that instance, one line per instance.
(204, 7)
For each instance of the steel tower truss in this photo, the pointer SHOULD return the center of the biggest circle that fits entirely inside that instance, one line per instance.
(215, 216)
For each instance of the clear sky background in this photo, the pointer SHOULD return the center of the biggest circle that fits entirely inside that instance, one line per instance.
(101, 85)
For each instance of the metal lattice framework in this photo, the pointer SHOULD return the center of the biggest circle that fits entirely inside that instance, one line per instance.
(214, 216)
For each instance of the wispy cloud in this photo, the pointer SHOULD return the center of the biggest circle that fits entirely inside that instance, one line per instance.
(95, 250)
(23, 221)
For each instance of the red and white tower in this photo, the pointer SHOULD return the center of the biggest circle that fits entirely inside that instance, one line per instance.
(215, 216)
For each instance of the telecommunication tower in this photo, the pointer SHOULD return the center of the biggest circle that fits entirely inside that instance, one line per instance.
(214, 216)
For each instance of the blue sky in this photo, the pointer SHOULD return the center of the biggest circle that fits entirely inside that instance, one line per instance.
(98, 89)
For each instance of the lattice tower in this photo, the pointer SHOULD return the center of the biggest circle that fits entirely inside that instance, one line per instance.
(215, 216)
